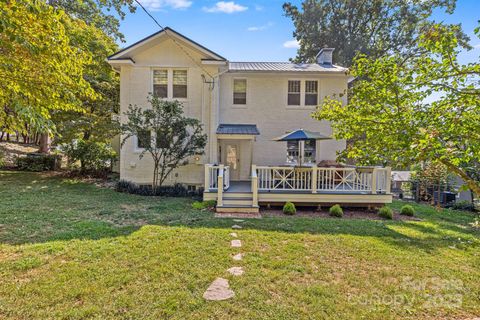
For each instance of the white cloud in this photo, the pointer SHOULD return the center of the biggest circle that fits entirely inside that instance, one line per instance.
(260, 28)
(291, 44)
(225, 7)
(258, 7)
(157, 5)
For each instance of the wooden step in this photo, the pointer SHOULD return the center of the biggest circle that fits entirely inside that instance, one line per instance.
(237, 201)
(237, 209)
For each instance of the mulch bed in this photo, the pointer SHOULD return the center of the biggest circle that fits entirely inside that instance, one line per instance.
(348, 213)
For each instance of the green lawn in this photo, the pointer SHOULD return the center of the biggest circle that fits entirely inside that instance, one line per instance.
(70, 250)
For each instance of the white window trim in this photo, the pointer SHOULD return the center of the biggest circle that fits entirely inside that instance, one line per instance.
(291, 106)
(240, 106)
(170, 82)
(302, 105)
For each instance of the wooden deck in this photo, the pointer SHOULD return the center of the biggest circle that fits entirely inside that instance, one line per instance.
(362, 186)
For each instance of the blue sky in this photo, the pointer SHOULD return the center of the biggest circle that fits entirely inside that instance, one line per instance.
(245, 30)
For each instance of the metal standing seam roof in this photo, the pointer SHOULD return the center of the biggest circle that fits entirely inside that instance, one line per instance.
(283, 67)
(250, 129)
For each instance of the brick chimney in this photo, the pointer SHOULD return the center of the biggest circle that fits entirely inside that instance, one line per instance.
(324, 57)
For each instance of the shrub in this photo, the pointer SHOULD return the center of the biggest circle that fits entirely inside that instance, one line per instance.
(93, 156)
(385, 212)
(463, 205)
(177, 190)
(407, 210)
(201, 205)
(289, 208)
(38, 162)
(336, 211)
(2, 158)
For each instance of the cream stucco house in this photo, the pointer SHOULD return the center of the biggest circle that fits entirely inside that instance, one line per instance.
(244, 106)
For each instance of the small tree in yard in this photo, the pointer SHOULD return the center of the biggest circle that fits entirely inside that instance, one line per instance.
(166, 134)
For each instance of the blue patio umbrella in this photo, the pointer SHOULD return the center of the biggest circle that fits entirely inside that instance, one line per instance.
(301, 135)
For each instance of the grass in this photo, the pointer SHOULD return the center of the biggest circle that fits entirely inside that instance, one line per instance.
(70, 250)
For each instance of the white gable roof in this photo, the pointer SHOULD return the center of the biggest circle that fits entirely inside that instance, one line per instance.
(152, 40)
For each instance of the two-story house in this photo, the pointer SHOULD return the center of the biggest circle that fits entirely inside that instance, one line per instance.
(244, 107)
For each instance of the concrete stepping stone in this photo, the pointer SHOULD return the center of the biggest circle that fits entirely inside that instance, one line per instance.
(236, 226)
(238, 257)
(236, 243)
(236, 271)
(238, 220)
(234, 234)
(219, 290)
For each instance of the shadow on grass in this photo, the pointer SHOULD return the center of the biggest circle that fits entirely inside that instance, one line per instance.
(40, 208)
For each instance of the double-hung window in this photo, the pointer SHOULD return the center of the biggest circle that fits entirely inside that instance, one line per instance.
(293, 152)
(144, 139)
(239, 91)
(179, 83)
(294, 92)
(160, 83)
(295, 155)
(311, 93)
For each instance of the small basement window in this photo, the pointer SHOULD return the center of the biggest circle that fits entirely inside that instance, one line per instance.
(239, 91)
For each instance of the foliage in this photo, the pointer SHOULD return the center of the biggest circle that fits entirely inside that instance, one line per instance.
(41, 72)
(177, 190)
(373, 27)
(386, 213)
(407, 210)
(202, 205)
(389, 119)
(93, 156)
(2, 158)
(336, 211)
(38, 162)
(289, 209)
(463, 205)
(172, 139)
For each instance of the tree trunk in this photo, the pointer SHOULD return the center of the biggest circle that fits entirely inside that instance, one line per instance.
(44, 143)
(472, 184)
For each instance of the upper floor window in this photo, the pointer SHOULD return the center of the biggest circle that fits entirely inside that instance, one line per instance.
(293, 92)
(311, 93)
(239, 91)
(179, 83)
(160, 83)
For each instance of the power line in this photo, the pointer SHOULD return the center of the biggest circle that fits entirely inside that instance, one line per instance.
(173, 39)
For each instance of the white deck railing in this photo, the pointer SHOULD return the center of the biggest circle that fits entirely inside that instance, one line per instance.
(351, 180)
(211, 176)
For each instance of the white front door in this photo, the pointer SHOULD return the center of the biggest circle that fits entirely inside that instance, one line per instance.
(232, 159)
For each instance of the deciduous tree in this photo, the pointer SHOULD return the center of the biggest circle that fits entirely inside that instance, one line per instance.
(413, 107)
(166, 134)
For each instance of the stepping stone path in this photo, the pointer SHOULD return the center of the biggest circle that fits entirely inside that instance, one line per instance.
(236, 243)
(236, 271)
(238, 257)
(219, 290)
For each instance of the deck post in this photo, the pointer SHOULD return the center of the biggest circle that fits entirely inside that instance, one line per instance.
(220, 186)
(207, 177)
(374, 180)
(254, 186)
(388, 180)
(314, 179)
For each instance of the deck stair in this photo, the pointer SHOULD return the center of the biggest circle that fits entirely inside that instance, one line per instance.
(237, 202)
